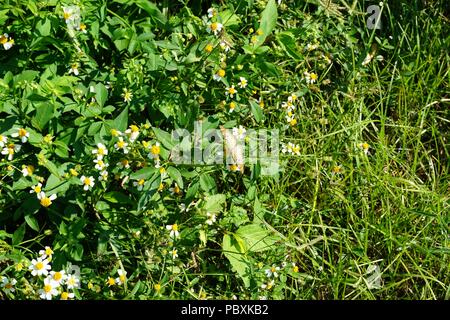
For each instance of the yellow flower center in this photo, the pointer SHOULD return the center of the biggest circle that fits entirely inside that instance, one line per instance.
(39, 265)
(293, 122)
(176, 189)
(214, 26)
(122, 278)
(124, 163)
(67, 15)
(161, 186)
(162, 170)
(157, 287)
(64, 295)
(231, 90)
(221, 73)
(295, 269)
(365, 146)
(3, 39)
(82, 26)
(175, 227)
(114, 133)
(121, 144)
(259, 32)
(111, 281)
(57, 276)
(141, 182)
(313, 76)
(87, 181)
(22, 133)
(73, 172)
(46, 202)
(8, 286)
(101, 151)
(273, 269)
(71, 282)
(37, 189)
(209, 48)
(47, 288)
(156, 149)
(232, 105)
(134, 128)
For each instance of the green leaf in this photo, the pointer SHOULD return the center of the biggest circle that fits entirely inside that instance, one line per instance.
(164, 137)
(207, 182)
(257, 238)
(175, 174)
(44, 113)
(268, 21)
(18, 235)
(288, 43)
(144, 173)
(32, 222)
(256, 111)
(117, 197)
(101, 94)
(215, 203)
(121, 122)
(234, 253)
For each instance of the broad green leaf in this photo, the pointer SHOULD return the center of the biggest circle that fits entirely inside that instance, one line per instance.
(257, 238)
(144, 173)
(121, 122)
(215, 203)
(164, 137)
(234, 253)
(44, 113)
(32, 222)
(256, 111)
(175, 174)
(18, 235)
(268, 21)
(116, 197)
(101, 94)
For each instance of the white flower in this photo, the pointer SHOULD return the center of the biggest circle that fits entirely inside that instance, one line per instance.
(72, 281)
(242, 82)
(272, 271)
(67, 295)
(88, 182)
(27, 171)
(219, 75)
(6, 41)
(122, 276)
(239, 132)
(224, 46)
(123, 164)
(8, 284)
(133, 132)
(174, 253)
(175, 190)
(47, 252)
(211, 218)
(49, 290)
(10, 150)
(101, 151)
(211, 12)
(3, 141)
(46, 201)
(103, 176)
(39, 267)
(231, 91)
(139, 184)
(173, 228)
(100, 164)
(215, 27)
(58, 277)
(121, 144)
(127, 95)
(36, 189)
(268, 285)
(310, 77)
(74, 69)
(22, 134)
(365, 147)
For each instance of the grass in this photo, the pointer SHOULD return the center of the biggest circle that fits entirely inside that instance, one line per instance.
(377, 229)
